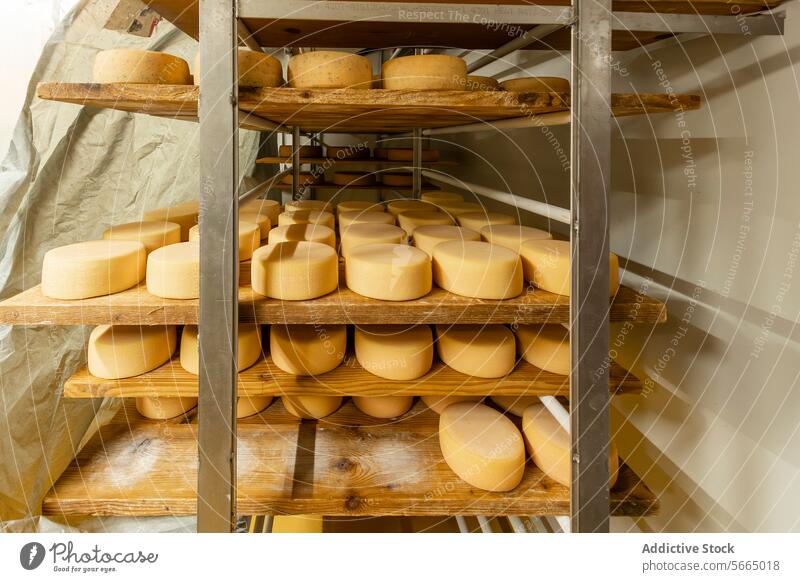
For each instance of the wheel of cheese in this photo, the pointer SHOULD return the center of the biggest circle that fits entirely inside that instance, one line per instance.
(123, 351)
(425, 72)
(307, 217)
(537, 85)
(318, 233)
(546, 263)
(482, 446)
(397, 179)
(456, 209)
(173, 272)
(407, 155)
(139, 66)
(92, 268)
(485, 351)
(357, 235)
(256, 69)
(511, 236)
(354, 178)
(159, 408)
(358, 206)
(295, 271)
(545, 346)
(329, 70)
(439, 403)
(427, 238)
(384, 406)
(262, 221)
(185, 215)
(310, 407)
(249, 238)
(515, 404)
(477, 220)
(306, 151)
(395, 352)
(389, 272)
(269, 208)
(550, 447)
(306, 178)
(358, 151)
(307, 350)
(411, 221)
(294, 205)
(479, 83)
(396, 207)
(477, 269)
(152, 234)
(248, 349)
(297, 524)
(439, 196)
(351, 218)
(250, 405)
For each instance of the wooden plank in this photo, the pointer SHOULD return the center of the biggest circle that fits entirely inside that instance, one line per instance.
(358, 466)
(329, 186)
(138, 307)
(351, 163)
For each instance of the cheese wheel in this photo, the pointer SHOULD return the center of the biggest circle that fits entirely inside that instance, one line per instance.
(160, 408)
(297, 524)
(269, 208)
(383, 406)
(310, 407)
(92, 268)
(248, 350)
(480, 83)
(357, 151)
(485, 351)
(395, 352)
(123, 351)
(173, 272)
(294, 205)
(537, 85)
(389, 272)
(546, 263)
(439, 403)
(262, 221)
(550, 447)
(307, 350)
(426, 238)
(139, 66)
(515, 404)
(256, 69)
(306, 178)
(185, 215)
(397, 207)
(303, 232)
(439, 196)
(354, 178)
(410, 221)
(295, 271)
(307, 217)
(545, 346)
(329, 70)
(456, 209)
(359, 205)
(482, 446)
(357, 235)
(425, 72)
(250, 405)
(477, 220)
(249, 238)
(152, 234)
(407, 155)
(350, 218)
(477, 269)
(511, 236)
(306, 151)
(397, 179)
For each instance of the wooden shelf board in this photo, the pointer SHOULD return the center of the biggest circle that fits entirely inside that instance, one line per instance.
(330, 186)
(346, 464)
(352, 163)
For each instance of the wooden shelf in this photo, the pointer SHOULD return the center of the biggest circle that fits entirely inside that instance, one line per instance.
(352, 163)
(346, 464)
(138, 307)
(329, 186)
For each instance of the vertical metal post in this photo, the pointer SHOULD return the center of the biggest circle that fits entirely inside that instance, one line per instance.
(219, 262)
(590, 183)
(296, 194)
(416, 158)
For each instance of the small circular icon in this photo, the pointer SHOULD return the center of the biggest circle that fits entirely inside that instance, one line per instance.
(31, 555)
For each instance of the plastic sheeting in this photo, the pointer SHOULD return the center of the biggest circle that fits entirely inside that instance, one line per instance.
(72, 171)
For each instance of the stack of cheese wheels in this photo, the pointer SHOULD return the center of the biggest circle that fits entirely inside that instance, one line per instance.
(482, 446)
(152, 234)
(269, 208)
(384, 406)
(515, 404)
(407, 155)
(307, 350)
(477, 220)
(485, 351)
(427, 238)
(439, 403)
(537, 85)
(297, 524)
(349, 218)
(295, 271)
(184, 214)
(262, 221)
(307, 217)
(329, 70)
(439, 196)
(545, 346)
(360, 234)
(139, 66)
(425, 72)
(511, 236)
(550, 446)
(123, 351)
(305, 151)
(318, 233)
(354, 178)
(399, 179)
(479, 83)
(397, 207)
(358, 205)
(248, 350)
(294, 205)
(92, 268)
(357, 151)
(546, 264)
(256, 69)
(395, 352)
(477, 269)
(456, 208)
(391, 272)
(173, 271)
(411, 221)
(249, 238)
(162, 408)
(306, 179)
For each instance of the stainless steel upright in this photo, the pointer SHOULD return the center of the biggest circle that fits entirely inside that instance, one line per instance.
(590, 183)
(297, 191)
(219, 259)
(416, 163)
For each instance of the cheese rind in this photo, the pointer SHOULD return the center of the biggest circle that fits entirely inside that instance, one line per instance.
(545, 346)
(397, 207)
(412, 220)
(395, 352)
(160, 408)
(388, 272)
(139, 66)
(306, 179)
(261, 220)
(427, 238)
(329, 70)
(307, 350)
(485, 351)
(537, 85)
(249, 238)
(546, 263)
(297, 524)
(307, 217)
(397, 179)
(439, 403)
(294, 205)
(173, 271)
(311, 407)
(477, 269)
(248, 352)
(294, 271)
(480, 83)
(350, 218)
(306, 151)
(359, 206)
(256, 69)
(184, 214)
(318, 233)
(511, 236)
(250, 405)
(383, 406)
(152, 234)
(439, 196)
(456, 209)
(269, 208)
(425, 72)
(515, 404)
(477, 220)
(354, 178)
(357, 235)
(124, 351)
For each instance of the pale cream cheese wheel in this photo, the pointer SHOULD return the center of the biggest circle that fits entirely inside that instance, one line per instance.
(250, 405)
(456, 208)
(350, 218)
(545, 346)
(546, 263)
(357, 235)
(427, 238)
(397, 179)
(307, 217)
(306, 179)
(515, 404)
(92, 268)
(407, 155)
(140, 66)
(391, 272)
(480, 83)
(329, 70)
(425, 72)
(354, 178)
(307, 350)
(256, 69)
(184, 214)
(311, 407)
(511, 236)
(295, 271)
(161, 408)
(395, 352)
(439, 196)
(261, 220)
(482, 446)
(249, 238)
(536, 85)
(412, 220)
(173, 272)
(359, 206)
(152, 234)
(485, 351)
(293, 205)
(124, 351)
(248, 347)
(306, 151)
(477, 220)
(477, 269)
(397, 207)
(350, 152)
(439, 403)
(384, 406)
(318, 233)
(269, 208)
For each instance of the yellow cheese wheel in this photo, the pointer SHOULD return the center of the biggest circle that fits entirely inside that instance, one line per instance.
(407, 155)
(456, 209)
(306, 178)
(307, 350)
(359, 206)
(269, 208)
(123, 351)
(310, 407)
(439, 403)
(248, 406)
(357, 151)
(537, 85)
(92, 268)
(184, 214)
(329, 70)
(160, 408)
(545, 346)
(395, 352)
(248, 351)
(294, 205)
(477, 220)
(479, 83)
(303, 232)
(482, 446)
(256, 69)
(357, 235)
(307, 217)
(139, 66)
(477, 269)
(515, 404)
(550, 447)
(439, 196)
(151, 234)
(249, 238)
(425, 72)
(397, 207)
(411, 221)
(389, 272)
(261, 220)
(383, 406)
(546, 263)
(511, 236)
(297, 524)
(354, 178)
(397, 179)
(295, 270)
(306, 151)
(485, 351)
(350, 218)
(427, 238)
(173, 271)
